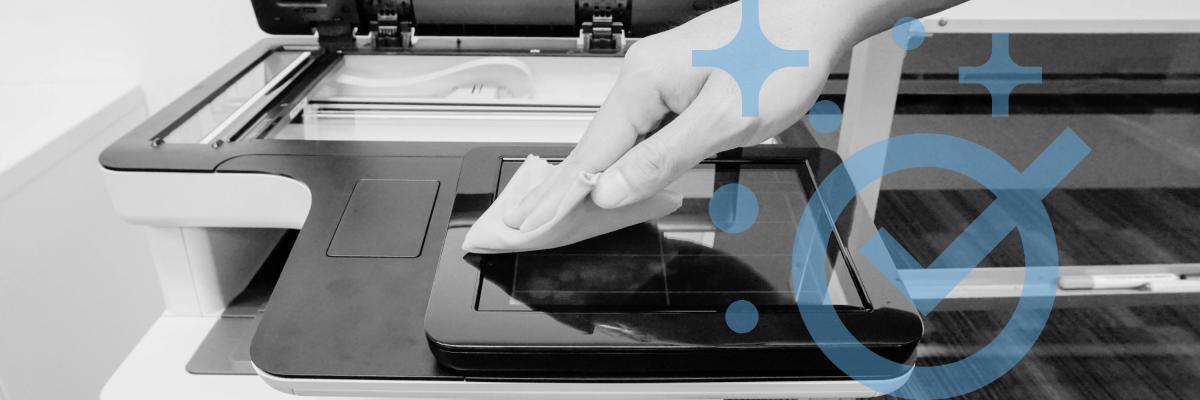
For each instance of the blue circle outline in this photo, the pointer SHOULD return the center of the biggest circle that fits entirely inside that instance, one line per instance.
(908, 152)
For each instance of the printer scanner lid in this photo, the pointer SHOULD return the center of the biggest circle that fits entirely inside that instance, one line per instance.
(391, 23)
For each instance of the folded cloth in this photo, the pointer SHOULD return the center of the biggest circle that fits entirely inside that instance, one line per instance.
(577, 217)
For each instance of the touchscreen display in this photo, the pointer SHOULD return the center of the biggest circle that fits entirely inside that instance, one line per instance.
(681, 262)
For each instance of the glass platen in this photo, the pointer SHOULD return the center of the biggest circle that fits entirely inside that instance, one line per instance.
(681, 262)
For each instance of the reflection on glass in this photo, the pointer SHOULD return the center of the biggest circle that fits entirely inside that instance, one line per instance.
(420, 98)
(388, 79)
(243, 89)
(678, 263)
(1130, 97)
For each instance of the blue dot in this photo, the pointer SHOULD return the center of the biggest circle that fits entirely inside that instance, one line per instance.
(733, 208)
(741, 316)
(908, 33)
(825, 117)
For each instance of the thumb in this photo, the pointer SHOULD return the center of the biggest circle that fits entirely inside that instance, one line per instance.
(641, 172)
(631, 110)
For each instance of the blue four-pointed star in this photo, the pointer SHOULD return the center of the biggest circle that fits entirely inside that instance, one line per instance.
(750, 58)
(1000, 75)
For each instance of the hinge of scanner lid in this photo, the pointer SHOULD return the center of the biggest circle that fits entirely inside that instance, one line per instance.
(603, 26)
(392, 27)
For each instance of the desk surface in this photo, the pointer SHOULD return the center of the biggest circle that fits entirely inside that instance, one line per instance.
(1115, 351)
(1119, 352)
(155, 368)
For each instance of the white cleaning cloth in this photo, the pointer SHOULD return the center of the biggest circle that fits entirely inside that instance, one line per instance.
(576, 219)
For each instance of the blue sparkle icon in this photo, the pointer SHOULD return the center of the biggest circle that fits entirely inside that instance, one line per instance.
(1000, 75)
(750, 58)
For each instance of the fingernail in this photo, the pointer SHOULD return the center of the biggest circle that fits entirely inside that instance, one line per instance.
(615, 193)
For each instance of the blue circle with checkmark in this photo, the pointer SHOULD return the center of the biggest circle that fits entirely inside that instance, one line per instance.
(1010, 210)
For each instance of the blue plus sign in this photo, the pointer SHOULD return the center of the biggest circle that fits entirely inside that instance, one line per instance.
(1000, 75)
(750, 58)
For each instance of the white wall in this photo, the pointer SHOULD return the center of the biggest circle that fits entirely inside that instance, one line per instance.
(77, 286)
(166, 46)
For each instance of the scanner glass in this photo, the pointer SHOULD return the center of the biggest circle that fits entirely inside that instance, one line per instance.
(681, 262)
(655, 294)
(223, 110)
(454, 99)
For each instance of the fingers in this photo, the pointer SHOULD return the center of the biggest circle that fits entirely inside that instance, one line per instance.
(710, 124)
(514, 217)
(641, 172)
(540, 205)
(631, 110)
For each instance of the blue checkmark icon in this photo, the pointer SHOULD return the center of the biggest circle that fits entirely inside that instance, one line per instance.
(1024, 193)
(1017, 208)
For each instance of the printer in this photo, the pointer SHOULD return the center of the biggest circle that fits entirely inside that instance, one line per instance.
(312, 197)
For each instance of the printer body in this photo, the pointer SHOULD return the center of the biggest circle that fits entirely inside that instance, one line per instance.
(313, 195)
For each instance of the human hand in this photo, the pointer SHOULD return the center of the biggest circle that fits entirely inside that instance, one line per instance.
(657, 78)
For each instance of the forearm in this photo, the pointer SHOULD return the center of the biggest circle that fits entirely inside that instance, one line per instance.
(825, 28)
(874, 16)
(845, 22)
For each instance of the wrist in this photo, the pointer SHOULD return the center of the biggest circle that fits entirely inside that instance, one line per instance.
(825, 28)
(843, 23)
